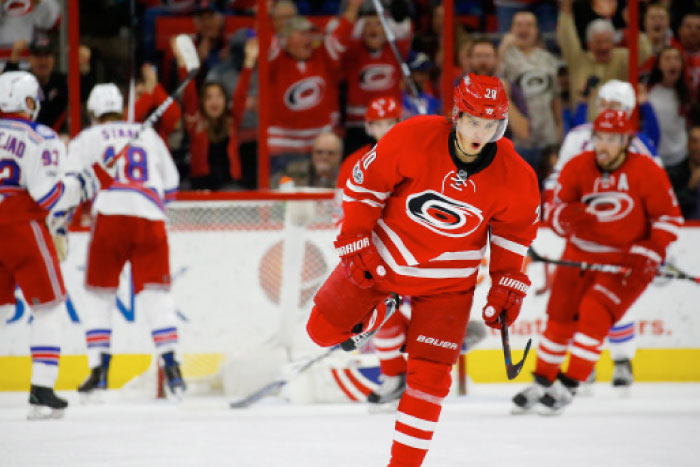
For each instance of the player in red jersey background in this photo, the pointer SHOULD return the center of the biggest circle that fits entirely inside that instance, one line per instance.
(420, 210)
(614, 207)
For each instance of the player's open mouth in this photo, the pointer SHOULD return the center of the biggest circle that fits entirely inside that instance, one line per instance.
(476, 145)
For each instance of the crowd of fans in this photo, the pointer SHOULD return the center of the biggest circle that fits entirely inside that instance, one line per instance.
(329, 58)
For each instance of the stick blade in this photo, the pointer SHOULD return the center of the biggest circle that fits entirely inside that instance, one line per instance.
(186, 47)
(514, 370)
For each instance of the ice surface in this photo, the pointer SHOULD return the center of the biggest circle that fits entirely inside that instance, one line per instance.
(656, 426)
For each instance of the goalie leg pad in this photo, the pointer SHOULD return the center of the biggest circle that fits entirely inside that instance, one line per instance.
(342, 303)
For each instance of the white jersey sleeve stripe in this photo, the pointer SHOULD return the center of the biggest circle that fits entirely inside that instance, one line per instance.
(509, 245)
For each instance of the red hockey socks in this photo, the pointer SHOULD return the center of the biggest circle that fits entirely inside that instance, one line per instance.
(552, 349)
(594, 323)
(427, 384)
(388, 342)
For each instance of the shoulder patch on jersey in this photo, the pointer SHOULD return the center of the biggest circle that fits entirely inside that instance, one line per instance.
(357, 175)
(45, 131)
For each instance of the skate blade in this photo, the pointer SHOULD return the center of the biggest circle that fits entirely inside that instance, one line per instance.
(517, 410)
(177, 393)
(94, 397)
(42, 412)
(384, 407)
(549, 411)
(623, 391)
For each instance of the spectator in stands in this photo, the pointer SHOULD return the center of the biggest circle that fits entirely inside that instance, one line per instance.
(321, 170)
(689, 43)
(210, 41)
(587, 11)
(544, 10)
(149, 95)
(371, 69)
(669, 96)
(215, 162)
(602, 62)
(325, 160)
(533, 70)
(280, 12)
(426, 103)
(685, 178)
(53, 111)
(20, 20)
(303, 83)
(483, 60)
(657, 26)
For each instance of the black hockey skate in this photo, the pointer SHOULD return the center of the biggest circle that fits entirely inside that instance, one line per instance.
(45, 404)
(525, 400)
(361, 338)
(558, 395)
(95, 381)
(173, 378)
(622, 377)
(391, 389)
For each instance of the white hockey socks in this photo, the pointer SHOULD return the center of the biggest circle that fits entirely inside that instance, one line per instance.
(96, 320)
(621, 340)
(44, 342)
(159, 307)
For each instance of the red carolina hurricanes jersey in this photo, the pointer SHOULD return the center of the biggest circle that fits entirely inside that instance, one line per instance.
(371, 74)
(305, 94)
(633, 203)
(430, 221)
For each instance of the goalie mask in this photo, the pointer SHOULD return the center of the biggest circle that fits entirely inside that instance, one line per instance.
(482, 96)
(105, 98)
(15, 88)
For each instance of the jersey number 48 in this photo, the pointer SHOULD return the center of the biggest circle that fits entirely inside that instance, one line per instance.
(136, 169)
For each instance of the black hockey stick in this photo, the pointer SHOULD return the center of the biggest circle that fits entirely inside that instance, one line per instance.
(391, 38)
(279, 383)
(511, 370)
(669, 272)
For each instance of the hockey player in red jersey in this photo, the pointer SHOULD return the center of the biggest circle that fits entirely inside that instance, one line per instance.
(31, 156)
(420, 210)
(129, 226)
(613, 206)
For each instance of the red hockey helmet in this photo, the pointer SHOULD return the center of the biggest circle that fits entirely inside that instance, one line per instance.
(481, 96)
(613, 121)
(380, 108)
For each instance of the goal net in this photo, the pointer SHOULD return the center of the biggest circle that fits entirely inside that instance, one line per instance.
(244, 273)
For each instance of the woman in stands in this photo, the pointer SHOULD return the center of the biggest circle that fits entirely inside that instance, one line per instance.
(215, 162)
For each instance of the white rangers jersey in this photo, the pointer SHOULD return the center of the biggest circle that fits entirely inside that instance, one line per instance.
(30, 185)
(145, 177)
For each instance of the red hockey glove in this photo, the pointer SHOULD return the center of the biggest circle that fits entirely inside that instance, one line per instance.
(506, 295)
(362, 262)
(644, 259)
(572, 219)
